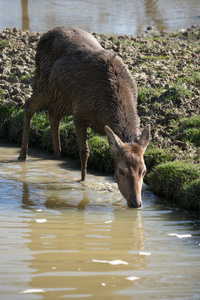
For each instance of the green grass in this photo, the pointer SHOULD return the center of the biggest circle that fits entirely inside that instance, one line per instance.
(192, 77)
(13, 74)
(175, 94)
(158, 39)
(1, 95)
(149, 94)
(176, 181)
(39, 123)
(101, 157)
(6, 114)
(188, 130)
(3, 43)
(68, 139)
(152, 57)
(156, 156)
(15, 126)
(192, 195)
(27, 77)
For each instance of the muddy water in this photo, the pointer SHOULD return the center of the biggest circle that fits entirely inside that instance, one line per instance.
(60, 239)
(113, 16)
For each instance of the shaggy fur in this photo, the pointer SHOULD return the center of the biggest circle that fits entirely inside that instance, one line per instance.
(76, 76)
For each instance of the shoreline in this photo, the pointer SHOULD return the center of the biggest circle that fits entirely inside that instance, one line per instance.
(166, 67)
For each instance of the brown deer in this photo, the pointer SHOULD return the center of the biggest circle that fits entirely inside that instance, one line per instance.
(76, 76)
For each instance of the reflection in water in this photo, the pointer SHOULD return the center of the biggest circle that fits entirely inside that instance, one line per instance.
(86, 227)
(65, 246)
(115, 16)
(65, 249)
(154, 13)
(25, 15)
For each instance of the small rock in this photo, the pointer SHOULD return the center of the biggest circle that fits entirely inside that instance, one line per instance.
(150, 28)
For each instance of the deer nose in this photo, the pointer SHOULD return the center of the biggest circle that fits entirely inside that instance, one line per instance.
(135, 204)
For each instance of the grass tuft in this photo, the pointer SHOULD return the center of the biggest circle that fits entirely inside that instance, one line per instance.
(170, 180)
(188, 130)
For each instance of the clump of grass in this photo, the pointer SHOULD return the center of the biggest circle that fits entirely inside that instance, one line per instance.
(68, 139)
(26, 78)
(192, 77)
(3, 44)
(148, 94)
(158, 39)
(101, 157)
(192, 195)
(13, 74)
(39, 123)
(151, 57)
(155, 156)
(100, 153)
(196, 78)
(175, 94)
(188, 130)
(171, 178)
(6, 114)
(1, 95)
(46, 140)
(16, 126)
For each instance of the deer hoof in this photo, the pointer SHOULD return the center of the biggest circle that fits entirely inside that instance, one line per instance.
(22, 157)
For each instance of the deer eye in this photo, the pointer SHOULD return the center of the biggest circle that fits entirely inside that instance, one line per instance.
(143, 173)
(121, 172)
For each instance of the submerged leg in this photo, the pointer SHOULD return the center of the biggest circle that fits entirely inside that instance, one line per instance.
(81, 133)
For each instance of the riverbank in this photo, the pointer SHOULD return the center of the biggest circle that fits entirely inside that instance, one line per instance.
(166, 67)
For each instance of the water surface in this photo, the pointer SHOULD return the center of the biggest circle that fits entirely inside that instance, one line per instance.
(61, 239)
(113, 16)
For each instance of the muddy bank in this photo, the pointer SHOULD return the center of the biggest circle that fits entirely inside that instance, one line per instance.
(166, 67)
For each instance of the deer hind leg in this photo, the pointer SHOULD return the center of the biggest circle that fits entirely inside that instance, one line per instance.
(81, 133)
(55, 117)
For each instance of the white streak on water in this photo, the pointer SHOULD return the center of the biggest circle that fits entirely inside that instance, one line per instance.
(41, 220)
(112, 262)
(180, 236)
(132, 278)
(144, 253)
(30, 291)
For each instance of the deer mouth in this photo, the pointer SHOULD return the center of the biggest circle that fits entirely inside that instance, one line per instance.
(134, 204)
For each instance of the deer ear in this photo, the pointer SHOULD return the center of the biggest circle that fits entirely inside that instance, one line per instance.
(145, 137)
(113, 140)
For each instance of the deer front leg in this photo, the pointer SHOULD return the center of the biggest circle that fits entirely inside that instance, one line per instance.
(81, 133)
(27, 120)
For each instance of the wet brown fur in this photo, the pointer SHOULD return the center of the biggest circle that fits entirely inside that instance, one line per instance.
(76, 76)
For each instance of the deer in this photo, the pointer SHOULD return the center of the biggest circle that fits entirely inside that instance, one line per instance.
(76, 76)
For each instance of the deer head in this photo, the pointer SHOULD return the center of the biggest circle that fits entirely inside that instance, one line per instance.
(129, 165)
